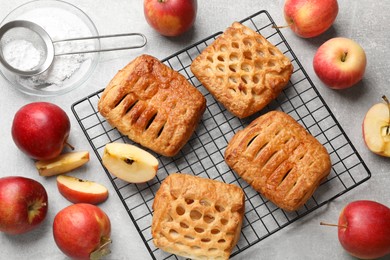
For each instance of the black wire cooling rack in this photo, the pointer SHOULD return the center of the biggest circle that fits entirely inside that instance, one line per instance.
(203, 155)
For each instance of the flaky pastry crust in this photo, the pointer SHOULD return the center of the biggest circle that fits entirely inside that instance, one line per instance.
(196, 217)
(242, 70)
(279, 159)
(153, 105)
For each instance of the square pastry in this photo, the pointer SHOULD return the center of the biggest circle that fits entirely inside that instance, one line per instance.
(197, 218)
(279, 159)
(153, 105)
(242, 70)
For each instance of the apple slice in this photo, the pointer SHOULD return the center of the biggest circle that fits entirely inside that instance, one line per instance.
(376, 128)
(62, 164)
(81, 191)
(129, 163)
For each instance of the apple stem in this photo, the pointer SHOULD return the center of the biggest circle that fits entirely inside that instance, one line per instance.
(344, 57)
(332, 225)
(69, 145)
(388, 123)
(283, 26)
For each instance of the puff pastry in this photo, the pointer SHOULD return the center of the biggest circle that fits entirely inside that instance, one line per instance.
(197, 218)
(279, 159)
(242, 70)
(153, 105)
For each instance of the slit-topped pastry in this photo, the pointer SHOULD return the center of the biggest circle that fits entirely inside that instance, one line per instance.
(196, 217)
(242, 70)
(279, 159)
(153, 105)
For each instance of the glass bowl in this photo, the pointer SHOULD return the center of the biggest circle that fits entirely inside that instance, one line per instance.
(61, 20)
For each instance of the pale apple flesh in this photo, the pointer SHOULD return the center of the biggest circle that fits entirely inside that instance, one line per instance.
(81, 191)
(129, 163)
(376, 129)
(340, 63)
(62, 164)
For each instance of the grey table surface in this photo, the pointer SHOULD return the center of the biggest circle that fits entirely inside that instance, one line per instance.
(363, 21)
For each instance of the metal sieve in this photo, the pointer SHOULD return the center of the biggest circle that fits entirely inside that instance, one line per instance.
(41, 40)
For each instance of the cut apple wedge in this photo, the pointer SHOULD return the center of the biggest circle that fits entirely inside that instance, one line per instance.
(129, 163)
(376, 129)
(62, 164)
(81, 191)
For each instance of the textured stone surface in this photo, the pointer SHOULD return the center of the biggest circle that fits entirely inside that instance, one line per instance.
(363, 21)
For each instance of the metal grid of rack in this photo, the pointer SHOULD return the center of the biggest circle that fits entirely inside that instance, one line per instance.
(203, 154)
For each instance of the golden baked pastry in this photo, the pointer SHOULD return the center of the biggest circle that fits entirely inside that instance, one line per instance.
(279, 159)
(153, 105)
(197, 218)
(242, 70)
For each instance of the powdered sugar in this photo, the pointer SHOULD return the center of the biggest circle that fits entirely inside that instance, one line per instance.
(59, 24)
(22, 55)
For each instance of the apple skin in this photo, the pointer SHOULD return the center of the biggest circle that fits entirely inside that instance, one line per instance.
(364, 229)
(82, 229)
(310, 18)
(40, 130)
(170, 17)
(340, 63)
(23, 204)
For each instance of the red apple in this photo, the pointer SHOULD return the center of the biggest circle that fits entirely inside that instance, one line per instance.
(376, 128)
(81, 191)
(23, 204)
(82, 231)
(340, 63)
(310, 18)
(170, 17)
(364, 229)
(40, 130)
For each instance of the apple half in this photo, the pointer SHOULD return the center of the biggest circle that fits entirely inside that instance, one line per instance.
(81, 191)
(62, 164)
(129, 163)
(376, 128)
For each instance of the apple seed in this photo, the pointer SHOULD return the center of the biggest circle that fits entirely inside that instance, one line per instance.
(129, 161)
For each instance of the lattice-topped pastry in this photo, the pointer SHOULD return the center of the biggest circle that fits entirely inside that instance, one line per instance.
(279, 159)
(196, 217)
(153, 105)
(242, 70)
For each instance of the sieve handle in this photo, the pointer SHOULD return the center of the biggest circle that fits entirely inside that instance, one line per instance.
(144, 41)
